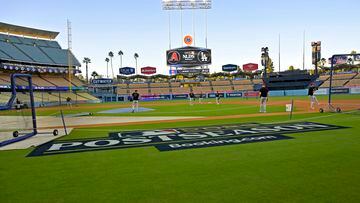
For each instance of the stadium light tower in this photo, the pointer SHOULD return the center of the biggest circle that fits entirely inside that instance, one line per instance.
(265, 58)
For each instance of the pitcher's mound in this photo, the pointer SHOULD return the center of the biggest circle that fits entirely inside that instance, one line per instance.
(125, 110)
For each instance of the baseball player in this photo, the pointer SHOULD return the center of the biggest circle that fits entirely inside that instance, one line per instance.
(264, 91)
(135, 102)
(313, 99)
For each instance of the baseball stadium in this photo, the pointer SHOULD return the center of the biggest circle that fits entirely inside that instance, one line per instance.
(247, 133)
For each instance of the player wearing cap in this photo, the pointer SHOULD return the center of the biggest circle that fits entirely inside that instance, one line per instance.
(313, 99)
(191, 98)
(264, 91)
(135, 101)
(217, 97)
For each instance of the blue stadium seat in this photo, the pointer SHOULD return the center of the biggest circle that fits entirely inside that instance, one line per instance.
(42, 43)
(4, 56)
(35, 53)
(27, 41)
(13, 52)
(59, 56)
(14, 39)
(53, 44)
(23, 49)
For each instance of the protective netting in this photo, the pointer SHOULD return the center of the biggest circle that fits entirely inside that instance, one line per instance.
(17, 120)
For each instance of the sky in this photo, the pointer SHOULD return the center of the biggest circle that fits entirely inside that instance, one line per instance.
(237, 29)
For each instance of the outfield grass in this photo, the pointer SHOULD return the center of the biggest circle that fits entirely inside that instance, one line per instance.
(314, 167)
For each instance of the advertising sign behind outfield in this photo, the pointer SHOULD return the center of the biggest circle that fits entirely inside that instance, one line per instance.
(230, 67)
(250, 67)
(183, 138)
(127, 71)
(148, 70)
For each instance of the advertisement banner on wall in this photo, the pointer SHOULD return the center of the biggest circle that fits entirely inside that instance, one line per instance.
(148, 70)
(355, 90)
(322, 91)
(251, 94)
(180, 96)
(250, 67)
(102, 81)
(340, 91)
(127, 71)
(230, 67)
(234, 94)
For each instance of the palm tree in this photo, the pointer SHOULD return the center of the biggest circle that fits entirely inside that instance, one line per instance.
(107, 67)
(120, 53)
(111, 55)
(94, 74)
(136, 56)
(87, 61)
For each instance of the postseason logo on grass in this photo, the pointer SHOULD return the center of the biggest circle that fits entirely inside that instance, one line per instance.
(183, 138)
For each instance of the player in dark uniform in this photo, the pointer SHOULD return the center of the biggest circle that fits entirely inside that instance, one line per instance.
(135, 102)
(68, 102)
(217, 97)
(191, 98)
(264, 91)
(313, 99)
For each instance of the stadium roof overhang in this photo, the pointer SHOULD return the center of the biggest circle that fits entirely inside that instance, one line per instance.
(26, 31)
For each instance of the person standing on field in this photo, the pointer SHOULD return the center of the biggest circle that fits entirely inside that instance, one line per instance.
(264, 91)
(313, 99)
(135, 102)
(192, 98)
(217, 97)
(68, 102)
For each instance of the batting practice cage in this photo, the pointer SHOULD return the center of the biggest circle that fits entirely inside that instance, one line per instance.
(18, 120)
(342, 88)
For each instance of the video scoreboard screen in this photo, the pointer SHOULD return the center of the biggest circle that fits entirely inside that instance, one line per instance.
(188, 57)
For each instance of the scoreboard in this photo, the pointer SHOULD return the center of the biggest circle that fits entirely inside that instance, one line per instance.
(188, 57)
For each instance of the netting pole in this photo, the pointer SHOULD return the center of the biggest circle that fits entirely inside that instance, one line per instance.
(331, 78)
(32, 105)
(63, 121)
